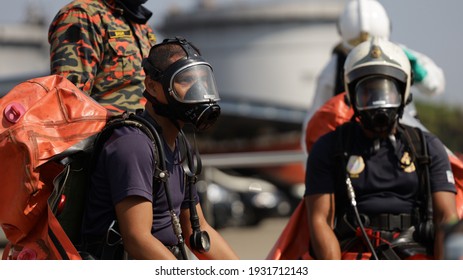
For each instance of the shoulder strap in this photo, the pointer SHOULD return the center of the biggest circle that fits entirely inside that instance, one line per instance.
(160, 169)
(341, 56)
(417, 146)
(126, 120)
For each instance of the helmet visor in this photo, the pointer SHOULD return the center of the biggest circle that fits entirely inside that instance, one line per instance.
(194, 84)
(377, 92)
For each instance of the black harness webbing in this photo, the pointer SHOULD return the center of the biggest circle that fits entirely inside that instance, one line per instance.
(341, 56)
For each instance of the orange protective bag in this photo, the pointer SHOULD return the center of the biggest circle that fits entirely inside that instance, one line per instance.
(41, 119)
(293, 242)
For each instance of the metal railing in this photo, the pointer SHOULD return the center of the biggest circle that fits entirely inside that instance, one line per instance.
(253, 159)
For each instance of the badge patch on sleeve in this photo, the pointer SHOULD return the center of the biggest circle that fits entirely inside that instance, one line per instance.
(450, 177)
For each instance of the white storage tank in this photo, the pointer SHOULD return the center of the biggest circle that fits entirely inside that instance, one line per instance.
(266, 56)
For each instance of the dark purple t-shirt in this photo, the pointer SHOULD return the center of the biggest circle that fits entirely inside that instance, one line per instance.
(125, 168)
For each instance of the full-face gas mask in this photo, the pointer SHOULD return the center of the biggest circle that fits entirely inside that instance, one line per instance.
(189, 87)
(377, 100)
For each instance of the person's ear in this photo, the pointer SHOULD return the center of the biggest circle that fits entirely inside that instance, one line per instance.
(150, 86)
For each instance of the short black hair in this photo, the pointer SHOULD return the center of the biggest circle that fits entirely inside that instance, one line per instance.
(160, 54)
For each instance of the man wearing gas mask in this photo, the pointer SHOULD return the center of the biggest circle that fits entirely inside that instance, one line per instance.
(180, 89)
(372, 190)
(99, 46)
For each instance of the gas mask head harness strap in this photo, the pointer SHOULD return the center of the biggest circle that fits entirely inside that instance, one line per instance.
(189, 87)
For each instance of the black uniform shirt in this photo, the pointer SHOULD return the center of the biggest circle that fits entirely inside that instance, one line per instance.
(381, 182)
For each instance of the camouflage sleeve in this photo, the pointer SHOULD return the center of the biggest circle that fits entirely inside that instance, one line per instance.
(75, 47)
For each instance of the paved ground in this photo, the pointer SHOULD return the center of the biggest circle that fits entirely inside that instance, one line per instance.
(254, 243)
(251, 243)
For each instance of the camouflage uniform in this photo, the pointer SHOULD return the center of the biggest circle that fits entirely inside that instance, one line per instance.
(100, 51)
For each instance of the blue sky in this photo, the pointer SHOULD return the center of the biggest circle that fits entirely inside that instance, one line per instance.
(428, 26)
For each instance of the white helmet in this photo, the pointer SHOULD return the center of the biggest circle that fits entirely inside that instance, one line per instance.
(362, 19)
(377, 77)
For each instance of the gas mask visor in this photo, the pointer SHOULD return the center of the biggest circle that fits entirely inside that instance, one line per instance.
(194, 83)
(377, 92)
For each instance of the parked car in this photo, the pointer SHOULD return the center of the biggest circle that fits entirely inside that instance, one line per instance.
(234, 200)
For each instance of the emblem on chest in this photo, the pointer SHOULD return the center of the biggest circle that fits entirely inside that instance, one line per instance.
(355, 166)
(406, 163)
